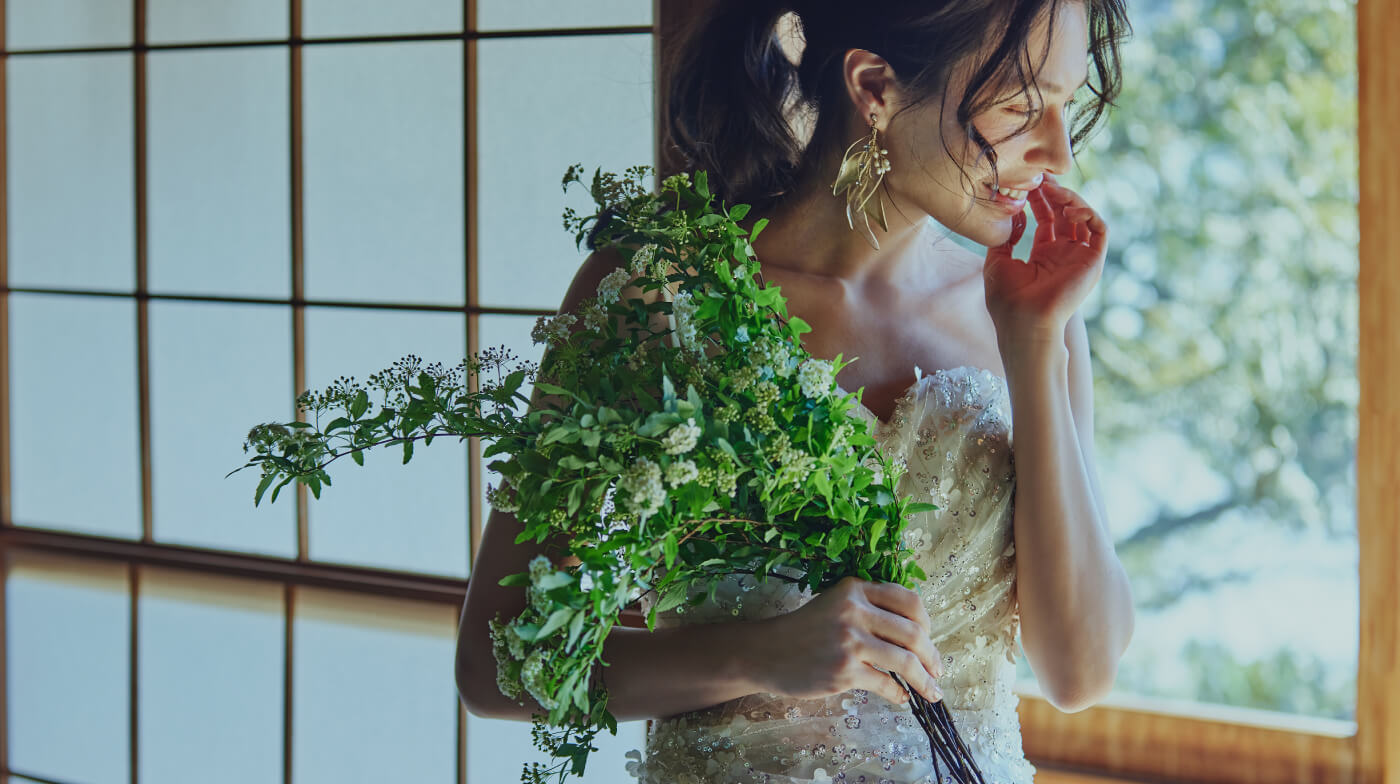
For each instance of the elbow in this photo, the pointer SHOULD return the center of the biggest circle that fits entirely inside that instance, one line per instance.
(472, 688)
(473, 680)
(1075, 692)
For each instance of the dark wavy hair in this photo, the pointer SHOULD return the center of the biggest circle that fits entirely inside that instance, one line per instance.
(733, 93)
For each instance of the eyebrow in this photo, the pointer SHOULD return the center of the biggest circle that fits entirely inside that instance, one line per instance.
(1054, 88)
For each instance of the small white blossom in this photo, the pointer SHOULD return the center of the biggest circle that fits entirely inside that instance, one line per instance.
(743, 378)
(815, 377)
(683, 307)
(532, 676)
(775, 357)
(682, 438)
(641, 487)
(610, 286)
(595, 313)
(501, 498)
(540, 566)
(642, 258)
(681, 472)
(742, 333)
(552, 330)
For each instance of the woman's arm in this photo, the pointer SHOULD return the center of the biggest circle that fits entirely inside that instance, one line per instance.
(652, 674)
(1075, 602)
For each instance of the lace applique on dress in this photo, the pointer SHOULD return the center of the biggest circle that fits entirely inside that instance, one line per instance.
(952, 429)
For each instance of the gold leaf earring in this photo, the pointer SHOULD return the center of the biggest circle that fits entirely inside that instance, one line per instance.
(862, 171)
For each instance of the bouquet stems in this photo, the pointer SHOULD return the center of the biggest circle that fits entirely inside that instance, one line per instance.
(948, 747)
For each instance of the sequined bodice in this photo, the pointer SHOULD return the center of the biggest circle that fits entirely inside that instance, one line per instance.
(952, 429)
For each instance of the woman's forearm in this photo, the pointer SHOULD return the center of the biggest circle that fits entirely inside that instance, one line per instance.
(1075, 606)
(650, 674)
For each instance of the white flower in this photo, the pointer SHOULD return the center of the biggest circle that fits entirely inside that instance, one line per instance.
(500, 498)
(679, 473)
(552, 330)
(743, 378)
(595, 313)
(815, 377)
(641, 487)
(610, 286)
(774, 356)
(540, 566)
(532, 676)
(683, 307)
(682, 438)
(742, 333)
(642, 258)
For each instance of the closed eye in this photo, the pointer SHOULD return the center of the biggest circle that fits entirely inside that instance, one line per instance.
(1028, 112)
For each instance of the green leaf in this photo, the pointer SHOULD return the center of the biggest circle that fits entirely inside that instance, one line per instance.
(359, 405)
(876, 530)
(554, 433)
(575, 497)
(557, 619)
(738, 211)
(575, 628)
(670, 548)
(836, 543)
(407, 450)
(757, 227)
(262, 486)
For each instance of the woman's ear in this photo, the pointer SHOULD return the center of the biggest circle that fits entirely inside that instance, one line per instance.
(870, 83)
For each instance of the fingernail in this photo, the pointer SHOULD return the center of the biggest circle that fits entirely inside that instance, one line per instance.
(937, 691)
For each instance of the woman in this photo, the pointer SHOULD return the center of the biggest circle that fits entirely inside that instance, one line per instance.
(771, 684)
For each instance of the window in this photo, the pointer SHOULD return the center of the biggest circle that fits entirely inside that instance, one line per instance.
(211, 208)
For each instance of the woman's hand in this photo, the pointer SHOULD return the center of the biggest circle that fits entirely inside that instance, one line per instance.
(1037, 297)
(834, 642)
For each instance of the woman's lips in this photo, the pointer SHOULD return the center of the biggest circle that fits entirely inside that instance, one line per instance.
(1001, 202)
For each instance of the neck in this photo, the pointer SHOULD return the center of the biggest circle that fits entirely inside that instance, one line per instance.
(808, 233)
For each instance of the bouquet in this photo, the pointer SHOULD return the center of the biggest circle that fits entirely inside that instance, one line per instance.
(677, 436)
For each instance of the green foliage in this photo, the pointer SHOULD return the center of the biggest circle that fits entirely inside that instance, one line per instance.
(666, 455)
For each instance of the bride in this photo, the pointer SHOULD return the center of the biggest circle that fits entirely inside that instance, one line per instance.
(967, 107)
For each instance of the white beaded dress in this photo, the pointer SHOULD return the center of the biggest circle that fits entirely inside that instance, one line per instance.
(952, 428)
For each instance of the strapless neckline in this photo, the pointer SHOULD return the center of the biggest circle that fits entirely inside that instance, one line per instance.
(912, 391)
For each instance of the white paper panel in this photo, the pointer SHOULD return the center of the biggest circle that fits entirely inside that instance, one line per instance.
(67, 628)
(53, 24)
(411, 517)
(547, 103)
(170, 21)
(69, 133)
(518, 14)
(334, 18)
(211, 679)
(218, 161)
(75, 454)
(217, 370)
(375, 694)
(384, 209)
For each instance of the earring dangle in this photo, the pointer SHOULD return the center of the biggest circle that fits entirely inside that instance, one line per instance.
(861, 173)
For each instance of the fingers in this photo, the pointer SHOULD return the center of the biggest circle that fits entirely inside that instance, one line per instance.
(899, 600)
(907, 634)
(880, 682)
(1045, 224)
(1075, 219)
(893, 658)
(1003, 251)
